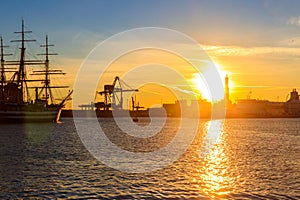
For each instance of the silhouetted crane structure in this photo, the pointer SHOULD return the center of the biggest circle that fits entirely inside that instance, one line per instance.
(113, 95)
(135, 105)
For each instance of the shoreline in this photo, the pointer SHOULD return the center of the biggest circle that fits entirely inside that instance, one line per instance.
(68, 113)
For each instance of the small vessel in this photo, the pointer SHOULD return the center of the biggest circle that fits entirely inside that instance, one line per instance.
(135, 119)
(16, 89)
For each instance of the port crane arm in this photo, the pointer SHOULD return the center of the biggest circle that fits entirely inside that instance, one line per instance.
(110, 91)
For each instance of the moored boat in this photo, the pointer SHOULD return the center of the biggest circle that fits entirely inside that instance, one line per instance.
(16, 102)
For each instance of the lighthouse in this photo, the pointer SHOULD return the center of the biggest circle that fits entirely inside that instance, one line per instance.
(227, 100)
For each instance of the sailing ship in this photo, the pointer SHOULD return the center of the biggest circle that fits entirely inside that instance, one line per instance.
(16, 104)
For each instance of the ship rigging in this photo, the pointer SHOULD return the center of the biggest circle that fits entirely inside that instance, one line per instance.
(16, 103)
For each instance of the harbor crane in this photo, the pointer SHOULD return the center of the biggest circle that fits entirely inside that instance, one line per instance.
(135, 106)
(113, 95)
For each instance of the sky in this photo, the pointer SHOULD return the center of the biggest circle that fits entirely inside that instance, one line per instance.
(257, 43)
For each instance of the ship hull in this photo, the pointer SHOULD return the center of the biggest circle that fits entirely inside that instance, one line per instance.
(29, 116)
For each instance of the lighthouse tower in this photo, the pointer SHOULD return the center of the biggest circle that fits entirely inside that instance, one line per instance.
(227, 100)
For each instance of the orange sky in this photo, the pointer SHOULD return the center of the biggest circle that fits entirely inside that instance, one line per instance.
(264, 72)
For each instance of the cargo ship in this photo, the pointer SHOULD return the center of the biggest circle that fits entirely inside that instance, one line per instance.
(16, 89)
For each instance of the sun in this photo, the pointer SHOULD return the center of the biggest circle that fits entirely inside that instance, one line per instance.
(202, 89)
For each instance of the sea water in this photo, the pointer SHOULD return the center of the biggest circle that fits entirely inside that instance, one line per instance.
(240, 159)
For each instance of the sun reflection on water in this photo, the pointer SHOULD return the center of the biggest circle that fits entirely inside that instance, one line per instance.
(214, 174)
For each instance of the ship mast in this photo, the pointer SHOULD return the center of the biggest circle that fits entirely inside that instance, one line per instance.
(21, 75)
(2, 71)
(16, 89)
(2, 77)
(2, 66)
(47, 71)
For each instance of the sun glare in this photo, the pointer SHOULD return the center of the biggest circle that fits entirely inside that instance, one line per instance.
(203, 89)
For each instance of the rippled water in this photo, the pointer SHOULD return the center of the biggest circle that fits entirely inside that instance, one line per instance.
(244, 159)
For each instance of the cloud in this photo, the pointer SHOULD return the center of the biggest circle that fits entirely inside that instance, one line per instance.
(294, 21)
(250, 51)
